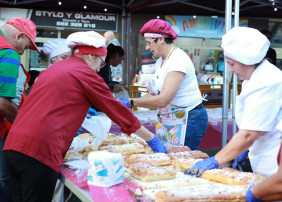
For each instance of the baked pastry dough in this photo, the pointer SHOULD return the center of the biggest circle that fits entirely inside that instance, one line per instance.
(79, 154)
(86, 150)
(136, 139)
(178, 155)
(148, 172)
(125, 149)
(113, 139)
(174, 149)
(232, 176)
(159, 159)
(225, 175)
(72, 155)
(219, 192)
(180, 181)
(189, 154)
(179, 165)
(196, 154)
(148, 150)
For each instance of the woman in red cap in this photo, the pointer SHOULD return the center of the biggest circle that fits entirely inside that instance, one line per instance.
(173, 90)
(41, 136)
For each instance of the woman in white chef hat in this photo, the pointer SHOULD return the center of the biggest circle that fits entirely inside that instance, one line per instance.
(271, 188)
(56, 49)
(258, 107)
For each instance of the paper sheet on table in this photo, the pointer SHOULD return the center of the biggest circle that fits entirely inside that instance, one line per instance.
(99, 126)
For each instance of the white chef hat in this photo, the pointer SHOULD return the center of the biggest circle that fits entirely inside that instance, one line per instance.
(55, 47)
(89, 42)
(245, 45)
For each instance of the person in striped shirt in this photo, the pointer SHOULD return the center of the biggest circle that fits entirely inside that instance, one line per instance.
(17, 35)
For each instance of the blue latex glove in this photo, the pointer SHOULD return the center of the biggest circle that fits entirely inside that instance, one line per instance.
(125, 102)
(79, 131)
(92, 112)
(250, 197)
(240, 160)
(157, 146)
(201, 166)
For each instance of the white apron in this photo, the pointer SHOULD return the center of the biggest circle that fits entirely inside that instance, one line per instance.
(263, 153)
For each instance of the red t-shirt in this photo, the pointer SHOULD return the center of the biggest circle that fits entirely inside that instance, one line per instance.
(56, 107)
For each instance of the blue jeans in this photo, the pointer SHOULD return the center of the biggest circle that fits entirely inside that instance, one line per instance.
(5, 191)
(196, 127)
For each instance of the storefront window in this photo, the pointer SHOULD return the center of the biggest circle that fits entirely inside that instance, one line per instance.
(49, 33)
(38, 61)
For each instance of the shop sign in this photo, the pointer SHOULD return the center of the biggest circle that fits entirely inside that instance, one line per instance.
(74, 20)
(201, 26)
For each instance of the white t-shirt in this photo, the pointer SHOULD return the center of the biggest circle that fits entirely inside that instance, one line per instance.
(259, 108)
(188, 94)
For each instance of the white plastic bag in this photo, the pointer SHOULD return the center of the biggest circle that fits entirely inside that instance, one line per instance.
(121, 94)
(99, 126)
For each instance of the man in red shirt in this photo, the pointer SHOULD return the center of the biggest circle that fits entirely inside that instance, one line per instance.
(53, 113)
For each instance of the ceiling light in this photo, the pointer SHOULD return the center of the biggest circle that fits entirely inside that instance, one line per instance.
(158, 17)
(85, 7)
(273, 3)
(275, 9)
(59, 3)
(194, 16)
(105, 9)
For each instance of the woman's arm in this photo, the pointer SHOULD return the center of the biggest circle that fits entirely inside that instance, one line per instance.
(240, 142)
(171, 86)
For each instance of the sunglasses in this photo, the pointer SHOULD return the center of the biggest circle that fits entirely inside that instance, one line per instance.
(103, 63)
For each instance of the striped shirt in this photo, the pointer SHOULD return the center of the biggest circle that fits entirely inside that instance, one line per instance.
(9, 69)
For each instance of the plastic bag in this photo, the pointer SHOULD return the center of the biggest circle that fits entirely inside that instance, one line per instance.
(121, 94)
(99, 126)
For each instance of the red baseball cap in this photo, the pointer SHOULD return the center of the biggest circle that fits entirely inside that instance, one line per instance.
(27, 27)
(157, 26)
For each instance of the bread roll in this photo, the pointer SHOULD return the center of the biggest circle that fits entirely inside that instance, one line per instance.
(232, 176)
(179, 165)
(126, 149)
(203, 193)
(159, 159)
(148, 172)
(175, 149)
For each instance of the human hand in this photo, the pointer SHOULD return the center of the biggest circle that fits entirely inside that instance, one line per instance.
(157, 146)
(92, 112)
(240, 160)
(125, 102)
(250, 197)
(201, 166)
